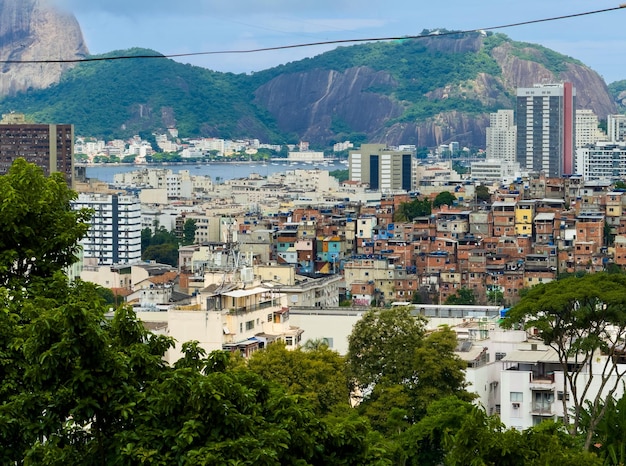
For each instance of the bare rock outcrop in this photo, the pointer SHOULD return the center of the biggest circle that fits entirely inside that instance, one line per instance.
(311, 103)
(35, 30)
(591, 90)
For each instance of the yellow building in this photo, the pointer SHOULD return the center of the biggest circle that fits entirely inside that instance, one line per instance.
(524, 215)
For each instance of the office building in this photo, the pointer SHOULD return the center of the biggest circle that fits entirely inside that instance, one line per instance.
(502, 136)
(114, 235)
(546, 121)
(383, 169)
(50, 147)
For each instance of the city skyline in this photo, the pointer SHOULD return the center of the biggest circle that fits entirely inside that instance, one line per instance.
(595, 39)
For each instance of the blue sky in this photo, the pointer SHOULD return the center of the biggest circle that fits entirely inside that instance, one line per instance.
(186, 26)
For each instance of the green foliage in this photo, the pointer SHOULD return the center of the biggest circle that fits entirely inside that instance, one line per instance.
(39, 230)
(160, 246)
(462, 296)
(609, 436)
(619, 184)
(318, 374)
(141, 96)
(482, 440)
(444, 198)
(407, 211)
(131, 97)
(553, 61)
(189, 231)
(580, 317)
(382, 344)
(482, 193)
(616, 89)
(341, 175)
(495, 297)
(77, 388)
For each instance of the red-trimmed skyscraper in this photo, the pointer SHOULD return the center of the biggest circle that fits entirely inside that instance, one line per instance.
(546, 128)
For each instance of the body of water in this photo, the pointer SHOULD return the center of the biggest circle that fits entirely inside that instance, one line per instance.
(225, 171)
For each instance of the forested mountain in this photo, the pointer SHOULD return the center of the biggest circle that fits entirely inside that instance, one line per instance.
(424, 91)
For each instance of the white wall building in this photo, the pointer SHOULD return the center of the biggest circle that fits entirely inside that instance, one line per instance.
(114, 235)
(616, 127)
(494, 170)
(602, 161)
(587, 131)
(501, 136)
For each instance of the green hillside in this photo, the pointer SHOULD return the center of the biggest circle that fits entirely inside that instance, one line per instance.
(119, 98)
(124, 97)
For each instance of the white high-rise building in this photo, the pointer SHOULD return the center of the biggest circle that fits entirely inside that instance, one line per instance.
(114, 235)
(546, 128)
(587, 131)
(616, 128)
(501, 136)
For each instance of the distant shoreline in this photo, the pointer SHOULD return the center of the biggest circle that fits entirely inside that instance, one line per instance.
(203, 162)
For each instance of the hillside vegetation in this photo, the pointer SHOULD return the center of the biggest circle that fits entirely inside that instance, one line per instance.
(410, 82)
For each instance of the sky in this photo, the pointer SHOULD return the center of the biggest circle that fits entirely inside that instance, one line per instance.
(194, 26)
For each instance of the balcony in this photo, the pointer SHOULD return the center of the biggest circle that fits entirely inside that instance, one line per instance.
(542, 409)
(542, 382)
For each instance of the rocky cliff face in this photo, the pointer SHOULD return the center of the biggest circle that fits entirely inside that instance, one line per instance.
(591, 91)
(314, 104)
(310, 104)
(34, 30)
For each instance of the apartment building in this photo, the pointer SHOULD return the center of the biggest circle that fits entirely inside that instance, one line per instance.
(114, 235)
(50, 147)
(546, 121)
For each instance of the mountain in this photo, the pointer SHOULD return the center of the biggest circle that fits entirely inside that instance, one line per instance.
(425, 91)
(34, 30)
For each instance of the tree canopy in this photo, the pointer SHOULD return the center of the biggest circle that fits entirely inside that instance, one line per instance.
(39, 230)
(584, 320)
(444, 198)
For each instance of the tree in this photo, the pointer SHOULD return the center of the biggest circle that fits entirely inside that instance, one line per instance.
(462, 296)
(495, 296)
(39, 230)
(382, 344)
(407, 211)
(444, 198)
(341, 175)
(78, 388)
(165, 253)
(483, 440)
(620, 185)
(482, 193)
(160, 246)
(609, 437)
(318, 374)
(584, 320)
(189, 231)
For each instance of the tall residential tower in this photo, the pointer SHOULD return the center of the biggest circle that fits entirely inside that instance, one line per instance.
(501, 136)
(546, 121)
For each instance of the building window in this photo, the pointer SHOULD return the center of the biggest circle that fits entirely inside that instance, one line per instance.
(517, 397)
(250, 325)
